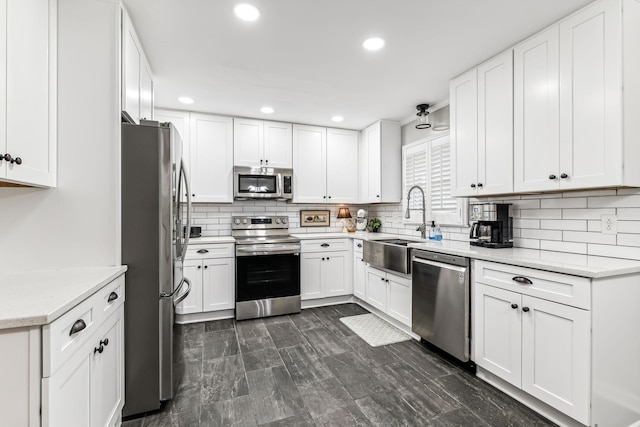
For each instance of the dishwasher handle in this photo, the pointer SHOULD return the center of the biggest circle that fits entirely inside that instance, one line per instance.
(440, 265)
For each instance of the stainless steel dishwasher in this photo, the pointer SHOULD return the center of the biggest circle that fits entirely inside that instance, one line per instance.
(440, 301)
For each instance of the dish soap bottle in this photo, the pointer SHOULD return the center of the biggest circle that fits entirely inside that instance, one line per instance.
(432, 231)
(437, 233)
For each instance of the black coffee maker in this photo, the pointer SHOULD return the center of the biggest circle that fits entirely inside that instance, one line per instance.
(491, 225)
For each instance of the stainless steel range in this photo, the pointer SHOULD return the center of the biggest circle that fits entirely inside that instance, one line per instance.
(267, 267)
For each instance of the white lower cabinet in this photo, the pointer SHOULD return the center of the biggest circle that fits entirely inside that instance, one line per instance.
(537, 345)
(210, 268)
(359, 271)
(324, 271)
(83, 372)
(390, 294)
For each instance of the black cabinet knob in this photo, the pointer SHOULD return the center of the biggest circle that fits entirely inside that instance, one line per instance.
(329, 196)
(324, 197)
(473, 186)
(266, 161)
(105, 342)
(328, 258)
(323, 259)
(564, 175)
(7, 157)
(18, 161)
(193, 195)
(525, 309)
(359, 245)
(112, 297)
(479, 185)
(552, 176)
(377, 195)
(382, 278)
(206, 266)
(514, 306)
(260, 161)
(98, 349)
(199, 266)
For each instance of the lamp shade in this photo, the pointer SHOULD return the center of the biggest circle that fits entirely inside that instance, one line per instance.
(344, 213)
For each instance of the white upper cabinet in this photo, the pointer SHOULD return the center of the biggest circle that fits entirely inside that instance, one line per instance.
(536, 112)
(574, 128)
(180, 120)
(211, 164)
(380, 163)
(137, 78)
(28, 53)
(342, 170)
(261, 143)
(482, 129)
(323, 165)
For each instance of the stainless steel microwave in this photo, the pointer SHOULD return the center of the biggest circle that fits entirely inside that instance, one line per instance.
(262, 183)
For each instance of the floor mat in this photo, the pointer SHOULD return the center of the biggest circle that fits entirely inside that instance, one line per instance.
(374, 330)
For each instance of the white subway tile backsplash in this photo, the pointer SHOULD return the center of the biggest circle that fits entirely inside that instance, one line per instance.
(629, 227)
(585, 237)
(594, 225)
(628, 240)
(526, 233)
(627, 191)
(574, 248)
(526, 223)
(589, 193)
(631, 201)
(614, 251)
(541, 213)
(526, 243)
(628, 213)
(525, 204)
(563, 224)
(572, 202)
(586, 213)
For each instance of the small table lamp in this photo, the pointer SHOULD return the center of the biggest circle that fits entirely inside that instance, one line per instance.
(347, 224)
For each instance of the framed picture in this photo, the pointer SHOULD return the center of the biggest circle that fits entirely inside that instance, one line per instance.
(315, 218)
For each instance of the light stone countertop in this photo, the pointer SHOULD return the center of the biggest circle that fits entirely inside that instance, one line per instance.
(39, 297)
(559, 262)
(211, 240)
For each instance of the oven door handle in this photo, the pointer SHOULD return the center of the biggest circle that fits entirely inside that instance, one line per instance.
(440, 265)
(257, 252)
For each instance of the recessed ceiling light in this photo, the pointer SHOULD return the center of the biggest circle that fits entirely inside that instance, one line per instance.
(267, 110)
(186, 100)
(373, 43)
(246, 12)
(337, 118)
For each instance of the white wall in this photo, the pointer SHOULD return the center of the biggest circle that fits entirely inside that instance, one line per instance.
(75, 224)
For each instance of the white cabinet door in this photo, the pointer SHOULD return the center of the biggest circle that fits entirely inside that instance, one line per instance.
(309, 164)
(248, 136)
(591, 97)
(193, 302)
(342, 170)
(107, 374)
(359, 276)
(67, 394)
(29, 38)
(311, 275)
(495, 126)
(335, 279)
(180, 120)
(278, 145)
(3, 82)
(146, 92)
(463, 92)
(130, 70)
(536, 113)
(497, 342)
(399, 299)
(376, 289)
(373, 135)
(218, 284)
(556, 355)
(211, 158)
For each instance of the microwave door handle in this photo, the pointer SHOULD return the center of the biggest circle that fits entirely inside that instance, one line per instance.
(183, 172)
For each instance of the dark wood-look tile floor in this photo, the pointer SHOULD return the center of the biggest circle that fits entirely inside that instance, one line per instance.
(308, 369)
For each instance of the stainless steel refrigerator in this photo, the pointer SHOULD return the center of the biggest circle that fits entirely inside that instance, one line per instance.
(156, 205)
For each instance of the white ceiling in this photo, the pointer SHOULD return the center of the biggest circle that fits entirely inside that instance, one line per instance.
(304, 57)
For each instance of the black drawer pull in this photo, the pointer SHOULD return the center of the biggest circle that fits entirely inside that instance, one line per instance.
(525, 309)
(98, 349)
(325, 245)
(522, 280)
(77, 327)
(359, 245)
(564, 176)
(203, 251)
(105, 342)
(514, 306)
(112, 297)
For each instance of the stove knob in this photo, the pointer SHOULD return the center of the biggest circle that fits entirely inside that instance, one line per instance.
(277, 220)
(237, 221)
(284, 220)
(244, 220)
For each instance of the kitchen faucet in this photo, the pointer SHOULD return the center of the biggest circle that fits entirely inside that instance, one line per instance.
(423, 227)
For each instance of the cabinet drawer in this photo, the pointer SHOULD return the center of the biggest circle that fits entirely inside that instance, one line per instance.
(325, 245)
(358, 246)
(58, 343)
(561, 288)
(222, 250)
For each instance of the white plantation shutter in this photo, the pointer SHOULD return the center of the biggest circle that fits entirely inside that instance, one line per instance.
(427, 163)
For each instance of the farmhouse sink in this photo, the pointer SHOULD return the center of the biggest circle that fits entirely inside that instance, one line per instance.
(389, 254)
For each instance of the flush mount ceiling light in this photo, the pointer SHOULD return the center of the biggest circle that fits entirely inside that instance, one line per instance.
(373, 43)
(337, 118)
(186, 100)
(267, 110)
(423, 117)
(246, 12)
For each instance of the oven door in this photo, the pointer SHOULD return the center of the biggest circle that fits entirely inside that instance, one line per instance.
(267, 276)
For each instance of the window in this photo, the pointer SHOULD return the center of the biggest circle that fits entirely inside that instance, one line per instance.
(427, 163)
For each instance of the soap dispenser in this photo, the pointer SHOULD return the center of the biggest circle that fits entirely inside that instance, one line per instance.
(432, 231)
(437, 233)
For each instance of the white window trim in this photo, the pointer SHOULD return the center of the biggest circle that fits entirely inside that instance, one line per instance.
(459, 219)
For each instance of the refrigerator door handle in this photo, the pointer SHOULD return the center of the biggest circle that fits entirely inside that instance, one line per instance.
(185, 294)
(176, 290)
(183, 172)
